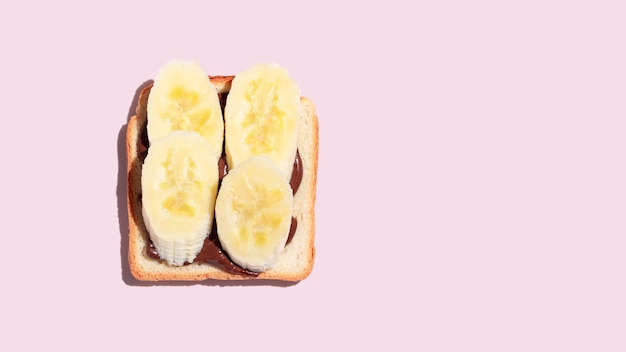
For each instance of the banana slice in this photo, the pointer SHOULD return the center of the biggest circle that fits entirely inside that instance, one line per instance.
(261, 117)
(253, 213)
(183, 98)
(179, 184)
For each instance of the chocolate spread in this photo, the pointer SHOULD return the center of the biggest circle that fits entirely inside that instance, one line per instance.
(212, 251)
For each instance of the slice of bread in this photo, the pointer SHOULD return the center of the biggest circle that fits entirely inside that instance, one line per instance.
(296, 261)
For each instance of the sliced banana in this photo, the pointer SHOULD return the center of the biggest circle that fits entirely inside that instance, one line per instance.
(179, 184)
(261, 117)
(253, 213)
(183, 98)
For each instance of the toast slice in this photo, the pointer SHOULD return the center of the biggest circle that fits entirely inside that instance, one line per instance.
(296, 261)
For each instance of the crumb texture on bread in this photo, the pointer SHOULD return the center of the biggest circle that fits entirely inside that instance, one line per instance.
(296, 261)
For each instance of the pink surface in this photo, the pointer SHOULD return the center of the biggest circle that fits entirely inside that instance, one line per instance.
(471, 185)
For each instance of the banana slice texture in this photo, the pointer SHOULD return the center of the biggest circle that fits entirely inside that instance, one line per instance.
(253, 213)
(179, 183)
(261, 117)
(183, 98)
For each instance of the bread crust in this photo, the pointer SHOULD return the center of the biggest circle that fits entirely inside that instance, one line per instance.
(296, 261)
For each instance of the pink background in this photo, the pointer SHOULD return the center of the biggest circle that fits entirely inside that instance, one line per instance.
(471, 185)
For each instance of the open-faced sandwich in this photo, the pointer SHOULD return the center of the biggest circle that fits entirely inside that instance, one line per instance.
(222, 176)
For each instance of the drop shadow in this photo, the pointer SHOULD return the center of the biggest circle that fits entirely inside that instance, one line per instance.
(122, 213)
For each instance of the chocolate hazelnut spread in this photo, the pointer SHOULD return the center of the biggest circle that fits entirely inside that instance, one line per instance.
(212, 252)
(296, 174)
(292, 229)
